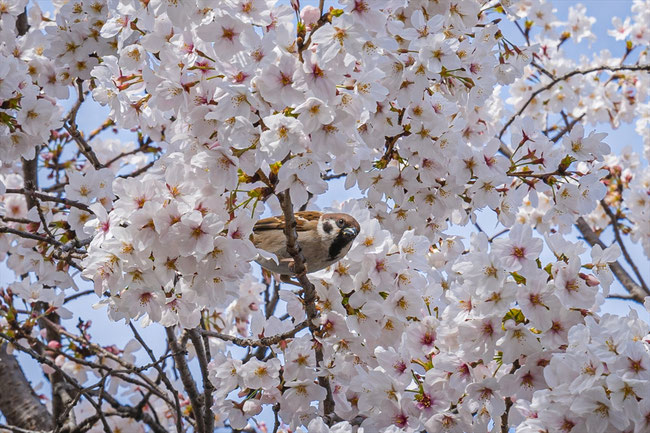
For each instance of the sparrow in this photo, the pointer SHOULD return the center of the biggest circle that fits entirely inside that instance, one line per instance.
(324, 239)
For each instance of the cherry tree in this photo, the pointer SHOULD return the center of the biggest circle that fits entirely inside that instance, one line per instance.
(222, 111)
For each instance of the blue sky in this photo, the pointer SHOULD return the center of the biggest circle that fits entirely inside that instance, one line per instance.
(105, 331)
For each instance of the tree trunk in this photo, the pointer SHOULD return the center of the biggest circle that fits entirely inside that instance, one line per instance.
(18, 402)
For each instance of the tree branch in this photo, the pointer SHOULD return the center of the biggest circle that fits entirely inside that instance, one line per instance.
(70, 125)
(163, 377)
(262, 342)
(626, 254)
(21, 407)
(15, 429)
(45, 197)
(128, 368)
(208, 388)
(309, 291)
(187, 379)
(139, 171)
(623, 297)
(636, 292)
(565, 77)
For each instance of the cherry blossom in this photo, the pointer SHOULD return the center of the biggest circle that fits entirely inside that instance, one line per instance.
(497, 217)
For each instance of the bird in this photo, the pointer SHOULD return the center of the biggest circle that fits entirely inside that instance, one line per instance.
(324, 239)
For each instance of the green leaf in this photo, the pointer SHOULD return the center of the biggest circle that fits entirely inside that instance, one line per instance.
(566, 162)
(514, 314)
(548, 268)
(518, 278)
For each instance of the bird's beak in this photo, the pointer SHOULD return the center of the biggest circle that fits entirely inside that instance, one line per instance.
(350, 231)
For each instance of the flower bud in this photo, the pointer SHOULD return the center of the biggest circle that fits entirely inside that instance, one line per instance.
(309, 16)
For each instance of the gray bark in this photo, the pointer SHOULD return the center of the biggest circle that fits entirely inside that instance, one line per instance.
(18, 402)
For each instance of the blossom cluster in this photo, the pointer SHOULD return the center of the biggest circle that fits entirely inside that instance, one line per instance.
(436, 340)
(232, 100)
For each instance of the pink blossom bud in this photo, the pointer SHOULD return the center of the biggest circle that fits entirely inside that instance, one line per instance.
(309, 15)
(59, 360)
(590, 280)
(252, 407)
(53, 344)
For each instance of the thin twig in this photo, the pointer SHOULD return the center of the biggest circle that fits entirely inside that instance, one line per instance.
(623, 298)
(16, 220)
(331, 176)
(262, 342)
(70, 125)
(139, 171)
(619, 239)
(129, 153)
(186, 378)
(163, 377)
(32, 236)
(46, 197)
(208, 388)
(502, 232)
(41, 216)
(568, 128)
(78, 295)
(276, 417)
(100, 351)
(636, 291)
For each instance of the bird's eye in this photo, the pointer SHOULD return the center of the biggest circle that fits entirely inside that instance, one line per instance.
(340, 223)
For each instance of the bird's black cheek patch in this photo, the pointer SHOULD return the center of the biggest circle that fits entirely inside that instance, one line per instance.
(327, 227)
(337, 246)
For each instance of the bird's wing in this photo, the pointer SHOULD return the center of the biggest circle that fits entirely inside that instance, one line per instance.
(304, 221)
(272, 223)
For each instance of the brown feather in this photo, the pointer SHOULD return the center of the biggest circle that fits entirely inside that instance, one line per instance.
(305, 220)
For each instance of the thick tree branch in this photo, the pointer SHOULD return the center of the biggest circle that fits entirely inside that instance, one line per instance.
(22, 23)
(636, 292)
(21, 407)
(71, 384)
(57, 387)
(626, 254)
(13, 429)
(309, 292)
(30, 178)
